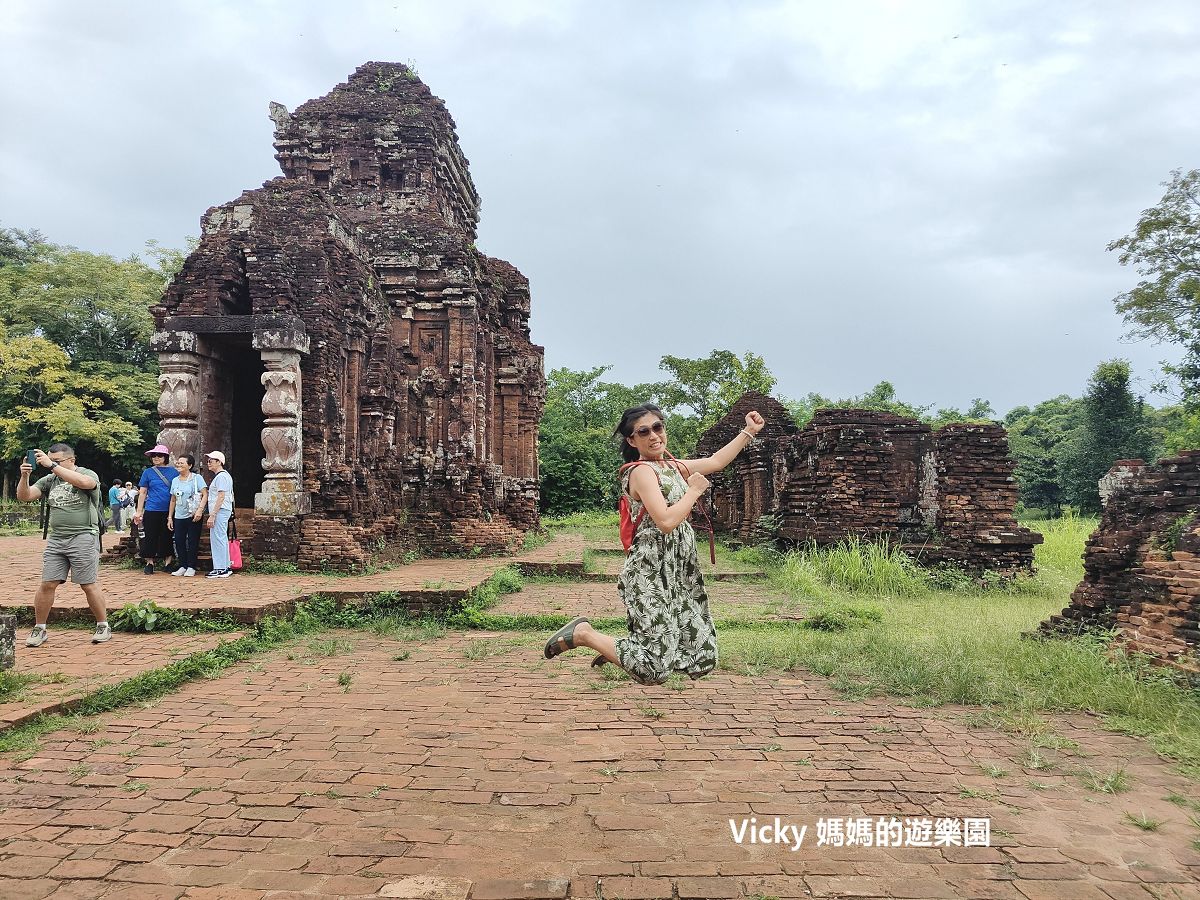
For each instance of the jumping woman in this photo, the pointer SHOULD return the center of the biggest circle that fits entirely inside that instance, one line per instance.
(670, 629)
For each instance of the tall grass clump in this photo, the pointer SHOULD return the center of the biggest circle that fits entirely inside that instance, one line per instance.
(863, 567)
(1063, 540)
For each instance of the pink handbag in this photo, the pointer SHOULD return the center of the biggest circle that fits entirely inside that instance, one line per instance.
(235, 548)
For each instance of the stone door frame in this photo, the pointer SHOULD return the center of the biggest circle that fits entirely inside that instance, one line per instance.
(187, 348)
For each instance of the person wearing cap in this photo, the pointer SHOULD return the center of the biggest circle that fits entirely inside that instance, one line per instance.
(220, 511)
(153, 504)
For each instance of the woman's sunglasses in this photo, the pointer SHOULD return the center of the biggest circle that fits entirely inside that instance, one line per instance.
(642, 432)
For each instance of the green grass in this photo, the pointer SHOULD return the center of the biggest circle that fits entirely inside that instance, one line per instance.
(13, 683)
(595, 526)
(968, 646)
(1112, 783)
(856, 566)
(1143, 821)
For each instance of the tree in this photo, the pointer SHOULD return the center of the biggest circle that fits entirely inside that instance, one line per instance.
(578, 456)
(1164, 247)
(76, 353)
(700, 391)
(1038, 439)
(1112, 426)
(18, 247)
(95, 307)
(44, 399)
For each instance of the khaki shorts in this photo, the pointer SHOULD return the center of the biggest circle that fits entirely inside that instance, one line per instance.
(78, 553)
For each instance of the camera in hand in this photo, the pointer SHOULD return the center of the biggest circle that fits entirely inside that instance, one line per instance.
(31, 457)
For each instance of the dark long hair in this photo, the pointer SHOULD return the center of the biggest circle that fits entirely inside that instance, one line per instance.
(624, 428)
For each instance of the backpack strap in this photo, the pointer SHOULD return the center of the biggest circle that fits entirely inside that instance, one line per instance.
(46, 508)
(629, 466)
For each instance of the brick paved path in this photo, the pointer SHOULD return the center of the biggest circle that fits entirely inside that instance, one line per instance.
(244, 595)
(729, 600)
(472, 766)
(70, 666)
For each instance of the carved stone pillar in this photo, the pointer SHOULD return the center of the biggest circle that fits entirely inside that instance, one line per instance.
(179, 400)
(282, 493)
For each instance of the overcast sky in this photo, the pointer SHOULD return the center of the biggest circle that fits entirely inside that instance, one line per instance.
(920, 191)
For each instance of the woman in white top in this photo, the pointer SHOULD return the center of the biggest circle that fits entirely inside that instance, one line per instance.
(220, 511)
(188, 496)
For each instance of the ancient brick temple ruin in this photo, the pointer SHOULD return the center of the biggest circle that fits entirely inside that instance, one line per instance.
(745, 496)
(945, 496)
(1142, 565)
(368, 373)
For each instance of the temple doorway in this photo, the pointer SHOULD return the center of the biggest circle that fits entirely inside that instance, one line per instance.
(246, 424)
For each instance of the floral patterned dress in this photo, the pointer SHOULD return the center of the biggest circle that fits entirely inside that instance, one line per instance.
(670, 629)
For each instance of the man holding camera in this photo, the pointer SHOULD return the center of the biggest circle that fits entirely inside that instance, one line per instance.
(73, 499)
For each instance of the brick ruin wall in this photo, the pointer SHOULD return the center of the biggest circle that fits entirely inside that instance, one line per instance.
(944, 496)
(745, 496)
(420, 389)
(1142, 564)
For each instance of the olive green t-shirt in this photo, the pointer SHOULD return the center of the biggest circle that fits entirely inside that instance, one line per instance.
(72, 511)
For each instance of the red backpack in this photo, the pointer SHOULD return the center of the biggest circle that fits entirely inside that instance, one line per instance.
(629, 525)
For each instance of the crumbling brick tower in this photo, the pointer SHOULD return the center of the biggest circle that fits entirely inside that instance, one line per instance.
(367, 371)
(1142, 564)
(944, 496)
(745, 496)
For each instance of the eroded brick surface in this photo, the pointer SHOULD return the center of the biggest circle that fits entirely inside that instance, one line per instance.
(1142, 564)
(472, 759)
(945, 495)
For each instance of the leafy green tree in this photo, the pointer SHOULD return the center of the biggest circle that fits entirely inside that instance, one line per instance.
(1164, 248)
(95, 307)
(1038, 439)
(700, 391)
(43, 399)
(882, 397)
(18, 247)
(1112, 426)
(77, 361)
(578, 456)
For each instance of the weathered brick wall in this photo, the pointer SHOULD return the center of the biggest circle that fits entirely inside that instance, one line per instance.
(945, 496)
(856, 473)
(421, 390)
(1142, 564)
(747, 491)
(976, 501)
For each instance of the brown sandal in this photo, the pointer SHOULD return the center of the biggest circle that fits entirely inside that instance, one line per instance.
(564, 635)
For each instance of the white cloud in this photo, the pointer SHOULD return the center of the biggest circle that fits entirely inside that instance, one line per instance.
(917, 191)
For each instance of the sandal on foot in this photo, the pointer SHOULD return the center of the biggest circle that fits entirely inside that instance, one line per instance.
(600, 660)
(564, 635)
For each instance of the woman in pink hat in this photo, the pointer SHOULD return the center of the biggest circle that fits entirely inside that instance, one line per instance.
(154, 501)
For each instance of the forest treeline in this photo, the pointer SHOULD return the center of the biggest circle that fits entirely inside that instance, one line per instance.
(75, 365)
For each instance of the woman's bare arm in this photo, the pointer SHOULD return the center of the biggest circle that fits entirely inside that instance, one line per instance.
(644, 486)
(709, 464)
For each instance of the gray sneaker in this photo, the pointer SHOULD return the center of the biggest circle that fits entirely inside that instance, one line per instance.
(37, 637)
(101, 634)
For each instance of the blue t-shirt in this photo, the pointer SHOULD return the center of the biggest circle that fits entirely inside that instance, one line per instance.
(114, 496)
(158, 490)
(187, 495)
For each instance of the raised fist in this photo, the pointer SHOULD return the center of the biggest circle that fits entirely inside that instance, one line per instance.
(754, 422)
(698, 482)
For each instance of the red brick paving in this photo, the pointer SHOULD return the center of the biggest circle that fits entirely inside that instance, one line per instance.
(245, 596)
(474, 768)
(729, 600)
(71, 666)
